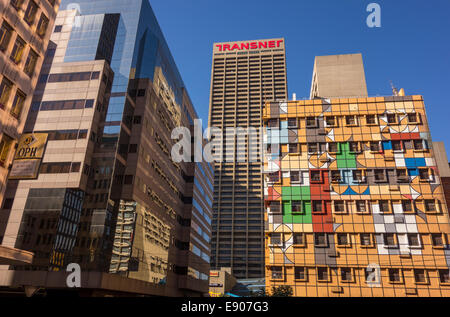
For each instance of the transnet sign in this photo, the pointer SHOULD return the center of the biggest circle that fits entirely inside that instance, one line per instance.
(245, 46)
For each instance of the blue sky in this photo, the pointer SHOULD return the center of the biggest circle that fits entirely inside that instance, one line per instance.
(412, 47)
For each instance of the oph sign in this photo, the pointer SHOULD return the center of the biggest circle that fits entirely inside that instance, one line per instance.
(28, 156)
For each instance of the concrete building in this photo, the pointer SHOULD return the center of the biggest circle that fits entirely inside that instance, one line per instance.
(443, 165)
(221, 282)
(354, 203)
(338, 76)
(115, 203)
(25, 28)
(244, 75)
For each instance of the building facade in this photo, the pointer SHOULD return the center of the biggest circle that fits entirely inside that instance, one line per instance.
(354, 203)
(244, 75)
(25, 28)
(117, 204)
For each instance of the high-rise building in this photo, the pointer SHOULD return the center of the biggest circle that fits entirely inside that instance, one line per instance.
(338, 76)
(106, 194)
(25, 28)
(443, 168)
(244, 75)
(354, 203)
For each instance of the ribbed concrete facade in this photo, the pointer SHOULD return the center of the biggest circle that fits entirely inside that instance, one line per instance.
(244, 75)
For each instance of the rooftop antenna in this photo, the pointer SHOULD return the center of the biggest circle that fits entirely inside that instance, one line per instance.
(394, 89)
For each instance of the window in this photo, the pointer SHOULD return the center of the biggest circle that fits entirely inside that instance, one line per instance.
(30, 64)
(361, 206)
(30, 13)
(58, 28)
(418, 145)
(424, 174)
(336, 176)
(384, 206)
(317, 206)
(277, 272)
(391, 118)
(342, 239)
(311, 122)
(402, 175)
(295, 176)
(394, 276)
(274, 207)
(17, 4)
(293, 148)
(292, 122)
(320, 240)
(315, 176)
(331, 121)
(95, 75)
(366, 239)
(5, 36)
(430, 205)
(296, 206)
(346, 274)
(413, 240)
(17, 51)
(322, 274)
(354, 147)
(42, 25)
(371, 119)
(300, 273)
(436, 240)
(358, 176)
(75, 168)
(274, 177)
(412, 117)
(380, 175)
(407, 206)
(339, 206)
(397, 146)
(17, 105)
(299, 238)
(272, 123)
(389, 240)
(333, 147)
(5, 147)
(5, 92)
(375, 146)
(444, 276)
(313, 148)
(350, 120)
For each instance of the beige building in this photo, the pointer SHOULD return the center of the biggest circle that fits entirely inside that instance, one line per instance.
(244, 76)
(220, 282)
(338, 76)
(25, 28)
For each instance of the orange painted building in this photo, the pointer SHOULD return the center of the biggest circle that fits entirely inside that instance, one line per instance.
(354, 205)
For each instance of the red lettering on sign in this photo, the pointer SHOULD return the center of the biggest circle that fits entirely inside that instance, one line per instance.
(220, 47)
(262, 44)
(253, 45)
(226, 46)
(249, 45)
(245, 46)
(235, 46)
(271, 44)
(278, 42)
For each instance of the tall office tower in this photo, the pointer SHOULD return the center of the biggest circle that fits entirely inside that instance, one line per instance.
(354, 202)
(25, 28)
(101, 189)
(244, 76)
(339, 76)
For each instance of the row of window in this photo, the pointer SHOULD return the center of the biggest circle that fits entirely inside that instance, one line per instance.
(400, 175)
(347, 274)
(345, 207)
(67, 77)
(60, 168)
(348, 120)
(353, 147)
(62, 105)
(413, 240)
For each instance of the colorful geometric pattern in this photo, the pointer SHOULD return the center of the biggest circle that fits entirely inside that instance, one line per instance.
(352, 185)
